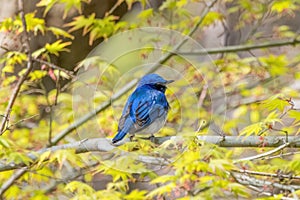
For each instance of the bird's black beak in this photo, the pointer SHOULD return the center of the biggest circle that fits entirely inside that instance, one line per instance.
(169, 81)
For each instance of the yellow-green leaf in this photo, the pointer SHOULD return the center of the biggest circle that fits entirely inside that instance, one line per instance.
(60, 32)
(57, 47)
(252, 129)
(294, 114)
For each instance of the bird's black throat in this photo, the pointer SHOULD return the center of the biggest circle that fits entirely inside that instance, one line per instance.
(159, 87)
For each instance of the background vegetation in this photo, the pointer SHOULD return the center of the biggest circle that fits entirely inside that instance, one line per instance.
(235, 102)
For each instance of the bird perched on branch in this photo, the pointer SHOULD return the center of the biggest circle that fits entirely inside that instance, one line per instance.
(146, 108)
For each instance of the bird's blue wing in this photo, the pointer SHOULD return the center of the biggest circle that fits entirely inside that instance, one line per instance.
(143, 106)
(140, 111)
(125, 114)
(147, 106)
(125, 122)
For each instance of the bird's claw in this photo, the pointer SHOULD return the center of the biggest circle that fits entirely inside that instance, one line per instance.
(151, 138)
(132, 139)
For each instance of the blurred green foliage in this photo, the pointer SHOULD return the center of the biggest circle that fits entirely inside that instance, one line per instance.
(258, 89)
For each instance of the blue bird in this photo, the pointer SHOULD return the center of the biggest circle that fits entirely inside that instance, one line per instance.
(146, 108)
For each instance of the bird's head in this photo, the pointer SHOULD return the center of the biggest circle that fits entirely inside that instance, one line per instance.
(154, 80)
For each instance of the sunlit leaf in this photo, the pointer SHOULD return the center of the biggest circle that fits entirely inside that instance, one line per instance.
(275, 102)
(272, 118)
(43, 157)
(163, 179)
(35, 24)
(276, 65)
(79, 188)
(60, 32)
(68, 4)
(48, 4)
(146, 13)
(294, 114)
(282, 5)
(211, 17)
(163, 190)
(136, 195)
(37, 75)
(252, 129)
(4, 142)
(57, 47)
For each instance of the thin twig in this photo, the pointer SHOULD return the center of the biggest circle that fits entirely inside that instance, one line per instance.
(50, 125)
(238, 48)
(50, 187)
(259, 156)
(49, 110)
(266, 174)
(53, 66)
(248, 180)
(57, 85)
(115, 6)
(7, 184)
(202, 95)
(4, 48)
(261, 191)
(200, 103)
(281, 155)
(20, 121)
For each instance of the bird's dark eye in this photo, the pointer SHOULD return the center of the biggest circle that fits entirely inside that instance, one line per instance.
(160, 87)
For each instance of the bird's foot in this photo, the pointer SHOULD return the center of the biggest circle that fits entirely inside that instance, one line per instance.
(151, 138)
(132, 139)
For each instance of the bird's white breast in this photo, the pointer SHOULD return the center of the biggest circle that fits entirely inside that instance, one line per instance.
(155, 126)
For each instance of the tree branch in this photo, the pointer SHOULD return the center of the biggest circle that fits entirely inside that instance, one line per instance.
(53, 66)
(21, 80)
(104, 145)
(247, 180)
(7, 184)
(76, 174)
(238, 48)
(131, 84)
(242, 141)
(281, 155)
(279, 148)
(279, 175)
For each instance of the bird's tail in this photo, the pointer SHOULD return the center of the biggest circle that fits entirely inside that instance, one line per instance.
(120, 135)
